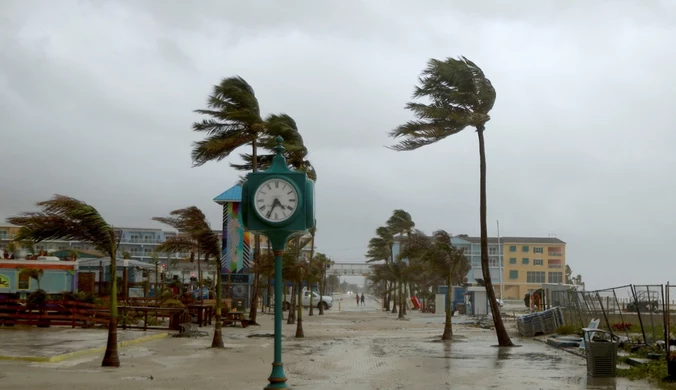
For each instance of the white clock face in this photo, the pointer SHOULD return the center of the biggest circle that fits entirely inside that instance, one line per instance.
(276, 200)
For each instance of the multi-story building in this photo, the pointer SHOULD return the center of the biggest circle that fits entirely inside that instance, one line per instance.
(518, 265)
(140, 243)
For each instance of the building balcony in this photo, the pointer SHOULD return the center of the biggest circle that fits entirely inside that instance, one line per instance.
(140, 241)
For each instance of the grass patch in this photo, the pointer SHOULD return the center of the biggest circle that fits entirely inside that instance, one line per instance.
(654, 371)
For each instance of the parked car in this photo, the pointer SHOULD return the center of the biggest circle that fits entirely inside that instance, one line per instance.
(325, 300)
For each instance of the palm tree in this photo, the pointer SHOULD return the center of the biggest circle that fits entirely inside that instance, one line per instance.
(196, 236)
(460, 96)
(380, 248)
(234, 120)
(63, 217)
(396, 272)
(443, 260)
(401, 223)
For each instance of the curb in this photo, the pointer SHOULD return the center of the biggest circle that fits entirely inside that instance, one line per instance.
(70, 355)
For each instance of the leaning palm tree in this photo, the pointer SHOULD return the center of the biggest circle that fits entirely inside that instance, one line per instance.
(459, 96)
(63, 217)
(380, 248)
(401, 223)
(451, 264)
(196, 236)
(234, 120)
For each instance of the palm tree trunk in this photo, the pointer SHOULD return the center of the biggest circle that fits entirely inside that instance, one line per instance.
(299, 320)
(292, 306)
(448, 327)
(501, 332)
(217, 342)
(257, 243)
(322, 287)
(199, 279)
(111, 358)
(309, 274)
(401, 299)
(393, 296)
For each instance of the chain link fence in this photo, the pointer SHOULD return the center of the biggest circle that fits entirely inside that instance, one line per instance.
(636, 313)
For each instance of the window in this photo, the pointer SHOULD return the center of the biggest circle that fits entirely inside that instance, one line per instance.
(513, 274)
(555, 251)
(538, 262)
(133, 251)
(524, 261)
(148, 238)
(24, 282)
(538, 249)
(492, 250)
(146, 251)
(535, 277)
(555, 277)
(512, 248)
(554, 263)
(77, 247)
(524, 249)
(493, 262)
(133, 238)
(512, 260)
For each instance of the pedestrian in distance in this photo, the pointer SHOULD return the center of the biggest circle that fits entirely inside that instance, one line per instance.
(357, 299)
(362, 299)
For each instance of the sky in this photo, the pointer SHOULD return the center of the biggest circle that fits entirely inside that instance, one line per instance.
(97, 100)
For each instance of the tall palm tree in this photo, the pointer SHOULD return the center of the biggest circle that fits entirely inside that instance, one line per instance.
(460, 96)
(380, 248)
(234, 120)
(401, 223)
(63, 217)
(196, 236)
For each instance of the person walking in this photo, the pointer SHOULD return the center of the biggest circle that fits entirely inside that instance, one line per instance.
(357, 298)
(362, 299)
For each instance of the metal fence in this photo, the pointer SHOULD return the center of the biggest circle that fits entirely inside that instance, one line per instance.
(639, 313)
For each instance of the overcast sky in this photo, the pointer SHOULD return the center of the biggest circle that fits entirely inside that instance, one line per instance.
(97, 100)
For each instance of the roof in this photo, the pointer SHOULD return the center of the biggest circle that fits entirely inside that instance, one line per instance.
(234, 194)
(83, 254)
(515, 240)
(105, 261)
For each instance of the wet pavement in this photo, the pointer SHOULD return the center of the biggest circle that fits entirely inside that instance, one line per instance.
(43, 344)
(356, 349)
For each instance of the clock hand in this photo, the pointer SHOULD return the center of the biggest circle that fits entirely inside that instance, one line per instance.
(274, 203)
(271, 209)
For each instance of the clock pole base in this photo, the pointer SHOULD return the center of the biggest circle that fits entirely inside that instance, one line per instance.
(277, 377)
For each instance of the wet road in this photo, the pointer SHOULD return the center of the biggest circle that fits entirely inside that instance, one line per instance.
(359, 348)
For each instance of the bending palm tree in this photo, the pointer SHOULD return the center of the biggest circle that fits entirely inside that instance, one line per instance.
(235, 120)
(63, 217)
(400, 222)
(451, 264)
(197, 237)
(460, 96)
(380, 248)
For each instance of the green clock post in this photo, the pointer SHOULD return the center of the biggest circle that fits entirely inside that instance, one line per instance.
(278, 203)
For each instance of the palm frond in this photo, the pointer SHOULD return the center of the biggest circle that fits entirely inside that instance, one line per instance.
(63, 217)
(460, 95)
(218, 146)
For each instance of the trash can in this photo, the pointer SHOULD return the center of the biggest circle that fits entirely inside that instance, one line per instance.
(601, 352)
